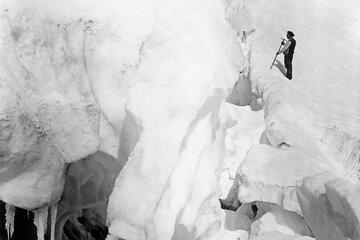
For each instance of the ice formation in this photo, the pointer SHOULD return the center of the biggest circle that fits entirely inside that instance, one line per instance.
(40, 221)
(141, 115)
(10, 217)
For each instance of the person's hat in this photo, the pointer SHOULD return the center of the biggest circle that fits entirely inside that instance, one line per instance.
(290, 33)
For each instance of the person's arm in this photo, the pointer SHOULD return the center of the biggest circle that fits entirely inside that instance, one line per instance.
(285, 47)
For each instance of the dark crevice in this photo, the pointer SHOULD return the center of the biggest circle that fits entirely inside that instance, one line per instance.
(234, 205)
(254, 209)
(230, 205)
(283, 144)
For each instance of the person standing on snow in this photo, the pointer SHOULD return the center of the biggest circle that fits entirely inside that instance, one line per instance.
(288, 50)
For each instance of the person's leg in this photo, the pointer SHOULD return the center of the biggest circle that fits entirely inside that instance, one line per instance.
(285, 61)
(288, 65)
(289, 72)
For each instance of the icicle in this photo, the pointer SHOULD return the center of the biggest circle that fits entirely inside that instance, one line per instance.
(53, 221)
(40, 221)
(10, 217)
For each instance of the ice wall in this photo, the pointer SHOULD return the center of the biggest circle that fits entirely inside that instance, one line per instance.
(139, 80)
(48, 113)
(191, 64)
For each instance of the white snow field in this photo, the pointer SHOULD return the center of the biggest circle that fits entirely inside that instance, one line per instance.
(175, 100)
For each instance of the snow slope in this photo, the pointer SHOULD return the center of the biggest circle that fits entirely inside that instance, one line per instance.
(317, 113)
(326, 61)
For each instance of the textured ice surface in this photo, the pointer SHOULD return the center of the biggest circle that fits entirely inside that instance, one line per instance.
(145, 82)
(48, 114)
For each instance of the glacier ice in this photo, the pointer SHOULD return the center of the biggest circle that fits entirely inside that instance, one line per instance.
(141, 115)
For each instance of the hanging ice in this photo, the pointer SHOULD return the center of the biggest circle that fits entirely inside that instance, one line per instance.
(53, 214)
(40, 221)
(10, 217)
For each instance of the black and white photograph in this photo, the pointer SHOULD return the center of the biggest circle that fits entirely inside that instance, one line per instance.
(179, 119)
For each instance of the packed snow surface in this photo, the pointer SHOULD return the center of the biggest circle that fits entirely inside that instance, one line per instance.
(180, 93)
